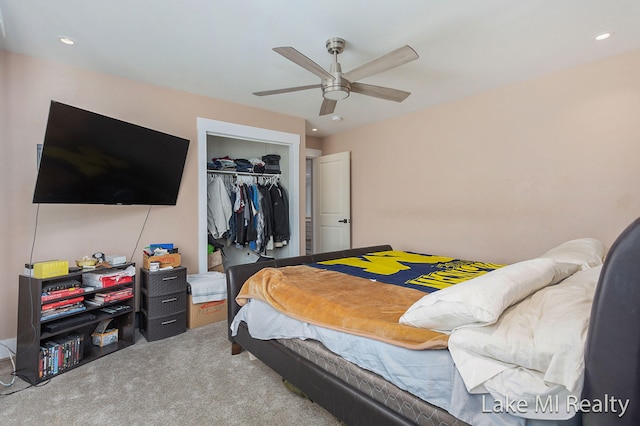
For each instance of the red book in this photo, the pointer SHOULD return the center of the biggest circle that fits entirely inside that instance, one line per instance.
(54, 295)
(61, 303)
(120, 297)
(112, 297)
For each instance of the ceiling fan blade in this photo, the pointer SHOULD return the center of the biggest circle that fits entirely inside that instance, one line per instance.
(380, 92)
(382, 63)
(298, 58)
(287, 90)
(328, 106)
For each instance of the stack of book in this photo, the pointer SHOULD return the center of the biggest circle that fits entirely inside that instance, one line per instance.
(52, 294)
(111, 296)
(59, 354)
(58, 308)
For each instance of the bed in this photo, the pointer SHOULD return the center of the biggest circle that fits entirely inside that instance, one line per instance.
(318, 362)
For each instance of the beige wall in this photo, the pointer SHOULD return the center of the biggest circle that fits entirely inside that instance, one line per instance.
(27, 85)
(314, 142)
(506, 174)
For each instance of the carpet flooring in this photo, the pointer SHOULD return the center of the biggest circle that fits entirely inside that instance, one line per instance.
(187, 379)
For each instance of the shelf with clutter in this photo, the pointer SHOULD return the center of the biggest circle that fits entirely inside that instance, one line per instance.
(60, 308)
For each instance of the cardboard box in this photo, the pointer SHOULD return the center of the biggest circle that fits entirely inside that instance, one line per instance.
(165, 260)
(214, 262)
(103, 339)
(219, 268)
(200, 314)
(214, 259)
(102, 336)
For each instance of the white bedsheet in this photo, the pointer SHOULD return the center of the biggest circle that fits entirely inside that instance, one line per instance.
(535, 352)
(430, 375)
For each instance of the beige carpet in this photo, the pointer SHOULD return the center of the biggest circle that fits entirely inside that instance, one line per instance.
(183, 380)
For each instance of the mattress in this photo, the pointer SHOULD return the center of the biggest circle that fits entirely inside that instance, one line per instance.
(371, 384)
(429, 375)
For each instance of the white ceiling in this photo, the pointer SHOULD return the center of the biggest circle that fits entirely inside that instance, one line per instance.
(222, 48)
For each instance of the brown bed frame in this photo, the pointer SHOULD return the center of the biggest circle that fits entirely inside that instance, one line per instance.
(612, 355)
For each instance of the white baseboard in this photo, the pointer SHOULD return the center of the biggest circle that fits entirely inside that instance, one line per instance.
(4, 352)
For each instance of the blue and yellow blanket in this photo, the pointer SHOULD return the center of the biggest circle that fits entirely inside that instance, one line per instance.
(422, 272)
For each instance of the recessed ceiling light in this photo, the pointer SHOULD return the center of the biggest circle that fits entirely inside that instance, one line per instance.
(66, 40)
(336, 118)
(314, 130)
(602, 36)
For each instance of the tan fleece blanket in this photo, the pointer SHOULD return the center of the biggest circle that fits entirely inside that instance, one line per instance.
(342, 302)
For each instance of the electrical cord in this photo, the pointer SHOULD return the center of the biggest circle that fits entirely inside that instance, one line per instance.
(31, 307)
(13, 364)
(141, 231)
(39, 385)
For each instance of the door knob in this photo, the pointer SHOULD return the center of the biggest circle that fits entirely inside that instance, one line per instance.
(344, 221)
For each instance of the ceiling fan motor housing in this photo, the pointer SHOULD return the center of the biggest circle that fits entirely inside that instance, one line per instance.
(338, 88)
(335, 45)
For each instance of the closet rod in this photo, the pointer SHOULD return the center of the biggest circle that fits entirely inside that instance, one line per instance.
(233, 172)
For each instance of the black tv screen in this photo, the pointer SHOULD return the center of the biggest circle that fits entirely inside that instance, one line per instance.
(88, 158)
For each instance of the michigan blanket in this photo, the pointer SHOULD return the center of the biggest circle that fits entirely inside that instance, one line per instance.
(424, 272)
(342, 302)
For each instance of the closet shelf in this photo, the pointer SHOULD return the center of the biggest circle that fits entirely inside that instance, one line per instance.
(233, 172)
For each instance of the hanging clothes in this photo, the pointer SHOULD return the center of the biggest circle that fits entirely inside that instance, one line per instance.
(266, 210)
(280, 208)
(257, 220)
(249, 215)
(256, 211)
(238, 210)
(246, 211)
(219, 208)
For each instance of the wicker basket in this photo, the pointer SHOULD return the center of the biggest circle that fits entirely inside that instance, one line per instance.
(85, 263)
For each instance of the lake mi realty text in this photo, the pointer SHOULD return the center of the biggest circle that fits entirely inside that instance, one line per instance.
(555, 404)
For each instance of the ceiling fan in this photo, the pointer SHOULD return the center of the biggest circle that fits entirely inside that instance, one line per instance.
(337, 85)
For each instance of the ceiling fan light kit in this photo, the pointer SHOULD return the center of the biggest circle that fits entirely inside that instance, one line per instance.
(337, 86)
(336, 92)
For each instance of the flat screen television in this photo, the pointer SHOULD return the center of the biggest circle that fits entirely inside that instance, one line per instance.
(88, 158)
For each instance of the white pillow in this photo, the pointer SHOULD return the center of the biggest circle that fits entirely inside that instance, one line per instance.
(481, 300)
(584, 252)
(535, 349)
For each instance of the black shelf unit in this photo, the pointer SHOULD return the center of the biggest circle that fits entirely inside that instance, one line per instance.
(34, 332)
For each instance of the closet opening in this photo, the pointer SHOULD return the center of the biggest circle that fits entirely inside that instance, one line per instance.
(217, 139)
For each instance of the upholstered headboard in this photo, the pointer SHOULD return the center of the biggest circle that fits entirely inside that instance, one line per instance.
(613, 344)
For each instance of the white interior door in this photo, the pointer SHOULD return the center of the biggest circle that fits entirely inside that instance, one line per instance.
(332, 189)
